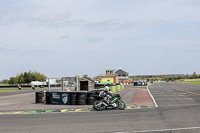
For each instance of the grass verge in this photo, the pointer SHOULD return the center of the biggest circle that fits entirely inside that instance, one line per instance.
(23, 88)
(2, 91)
(189, 82)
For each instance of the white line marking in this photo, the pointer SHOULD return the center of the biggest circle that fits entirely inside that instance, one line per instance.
(173, 129)
(156, 105)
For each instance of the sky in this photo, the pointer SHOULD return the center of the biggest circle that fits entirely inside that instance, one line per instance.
(75, 37)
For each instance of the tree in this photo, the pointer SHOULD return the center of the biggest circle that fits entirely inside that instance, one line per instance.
(12, 80)
(38, 77)
(20, 78)
(5, 81)
(86, 76)
(166, 79)
(194, 75)
(27, 77)
(33, 77)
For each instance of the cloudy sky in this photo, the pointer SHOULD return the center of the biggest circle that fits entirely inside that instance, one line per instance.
(75, 37)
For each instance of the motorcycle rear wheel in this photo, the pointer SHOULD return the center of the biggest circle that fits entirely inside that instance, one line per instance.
(97, 106)
(121, 105)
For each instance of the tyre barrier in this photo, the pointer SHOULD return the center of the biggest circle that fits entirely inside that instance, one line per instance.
(91, 93)
(39, 97)
(81, 98)
(76, 98)
(73, 96)
(91, 97)
(47, 98)
(90, 100)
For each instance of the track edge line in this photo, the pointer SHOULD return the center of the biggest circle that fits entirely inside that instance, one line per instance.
(156, 105)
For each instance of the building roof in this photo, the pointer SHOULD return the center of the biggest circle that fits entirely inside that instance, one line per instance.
(83, 79)
(120, 71)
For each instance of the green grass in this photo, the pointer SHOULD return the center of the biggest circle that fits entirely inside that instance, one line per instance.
(14, 88)
(190, 82)
(2, 91)
(22, 88)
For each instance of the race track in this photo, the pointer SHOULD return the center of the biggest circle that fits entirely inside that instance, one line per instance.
(177, 112)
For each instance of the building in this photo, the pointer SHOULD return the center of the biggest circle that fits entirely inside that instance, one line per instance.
(115, 77)
(86, 84)
(123, 76)
(109, 78)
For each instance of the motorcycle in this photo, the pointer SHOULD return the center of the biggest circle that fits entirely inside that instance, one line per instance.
(105, 99)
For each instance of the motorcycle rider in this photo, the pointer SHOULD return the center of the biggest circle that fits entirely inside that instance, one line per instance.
(109, 96)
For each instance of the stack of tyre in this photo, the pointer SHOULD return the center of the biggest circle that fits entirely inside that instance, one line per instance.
(76, 98)
(81, 98)
(39, 97)
(47, 97)
(73, 96)
(91, 97)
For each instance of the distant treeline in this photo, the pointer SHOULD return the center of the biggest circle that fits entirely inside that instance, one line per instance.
(24, 78)
(170, 77)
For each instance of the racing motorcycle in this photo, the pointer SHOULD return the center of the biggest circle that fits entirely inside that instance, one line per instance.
(107, 100)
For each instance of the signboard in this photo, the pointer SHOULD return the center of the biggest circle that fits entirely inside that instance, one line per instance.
(61, 98)
(141, 83)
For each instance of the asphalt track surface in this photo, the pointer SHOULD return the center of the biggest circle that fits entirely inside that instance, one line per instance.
(177, 112)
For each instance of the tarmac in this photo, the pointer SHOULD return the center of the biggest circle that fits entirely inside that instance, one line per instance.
(133, 96)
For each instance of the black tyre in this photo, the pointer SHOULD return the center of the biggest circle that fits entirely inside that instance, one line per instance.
(81, 93)
(81, 96)
(73, 95)
(81, 102)
(47, 97)
(72, 102)
(39, 97)
(39, 94)
(97, 106)
(121, 105)
(73, 98)
(90, 100)
(38, 101)
(91, 94)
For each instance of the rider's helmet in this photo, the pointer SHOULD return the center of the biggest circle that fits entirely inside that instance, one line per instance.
(107, 89)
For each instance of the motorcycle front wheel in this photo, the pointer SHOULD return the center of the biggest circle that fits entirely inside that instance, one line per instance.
(98, 106)
(121, 105)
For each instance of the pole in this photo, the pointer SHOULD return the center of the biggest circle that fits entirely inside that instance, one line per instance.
(62, 84)
(49, 84)
(77, 83)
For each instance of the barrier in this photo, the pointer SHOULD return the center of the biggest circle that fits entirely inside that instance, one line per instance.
(72, 98)
(116, 88)
(61, 98)
(159, 81)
